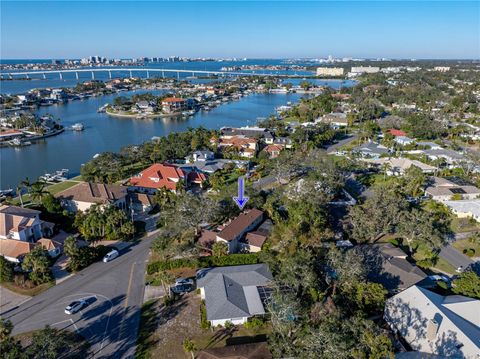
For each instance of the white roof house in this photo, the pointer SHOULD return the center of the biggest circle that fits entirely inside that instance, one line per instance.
(398, 166)
(465, 208)
(436, 324)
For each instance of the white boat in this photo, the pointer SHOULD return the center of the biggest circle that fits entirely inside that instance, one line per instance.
(18, 142)
(78, 127)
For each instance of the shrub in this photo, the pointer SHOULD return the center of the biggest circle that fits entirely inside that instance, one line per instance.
(230, 260)
(443, 285)
(204, 323)
(470, 252)
(254, 322)
(6, 270)
(229, 325)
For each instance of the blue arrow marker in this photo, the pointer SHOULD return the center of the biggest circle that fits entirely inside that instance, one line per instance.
(241, 201)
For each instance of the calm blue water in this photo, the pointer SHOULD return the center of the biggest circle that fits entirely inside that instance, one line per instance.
(104, 133)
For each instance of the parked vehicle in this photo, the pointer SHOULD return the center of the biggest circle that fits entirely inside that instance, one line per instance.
(110, 256)
(182, 281)
(183, 288)
(75, 306)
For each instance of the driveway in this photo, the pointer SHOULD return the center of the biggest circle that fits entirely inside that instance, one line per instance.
(110, 322)
(454, 257)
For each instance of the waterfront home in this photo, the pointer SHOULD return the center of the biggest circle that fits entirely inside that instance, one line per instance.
(146, 106)
(214, 165)
(172, 105)
(23, 224)
(444, 190)
(158, 176)
(436, 324)
(9, 134)
(85, 194)
(245, 146)
(233, 294)
(252, 132)
(234, 231)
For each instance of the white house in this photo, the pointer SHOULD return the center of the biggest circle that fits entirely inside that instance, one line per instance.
(436, 324)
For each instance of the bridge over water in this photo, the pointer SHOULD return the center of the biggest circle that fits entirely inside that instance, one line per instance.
(130, 71)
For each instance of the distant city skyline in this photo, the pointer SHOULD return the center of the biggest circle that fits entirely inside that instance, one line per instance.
(388, 29)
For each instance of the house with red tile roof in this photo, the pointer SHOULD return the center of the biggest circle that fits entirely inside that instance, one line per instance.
(173, 104)
(396, 133)
(158, 176)
(246, 146)
(273, 150)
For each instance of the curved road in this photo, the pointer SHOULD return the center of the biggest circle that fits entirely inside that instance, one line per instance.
(110, 322)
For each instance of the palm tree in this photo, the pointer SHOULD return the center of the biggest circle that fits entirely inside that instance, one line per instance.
(37, 191)
(386, 167)
(18, 190)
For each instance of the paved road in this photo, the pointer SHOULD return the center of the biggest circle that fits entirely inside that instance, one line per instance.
(454, 257)
(335, 146)
(110, 323)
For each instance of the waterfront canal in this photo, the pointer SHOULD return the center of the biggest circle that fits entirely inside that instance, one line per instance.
(104, 133)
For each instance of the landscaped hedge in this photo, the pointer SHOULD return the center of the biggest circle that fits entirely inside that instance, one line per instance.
(229, 260)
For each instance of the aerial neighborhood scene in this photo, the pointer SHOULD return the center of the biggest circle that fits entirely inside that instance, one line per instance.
(240, 180)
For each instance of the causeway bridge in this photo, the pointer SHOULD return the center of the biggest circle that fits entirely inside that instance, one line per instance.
(130, 72)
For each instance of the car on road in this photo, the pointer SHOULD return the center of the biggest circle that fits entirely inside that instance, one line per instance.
(76, 306)
(182, 288)
(459, 269)
(110, 256)
(182, 281)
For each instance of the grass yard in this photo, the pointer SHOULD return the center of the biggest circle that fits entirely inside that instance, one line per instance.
(443, 266)
(464, 225)
(464, 244)
(28, 291)
(163, 330)
(62, 186)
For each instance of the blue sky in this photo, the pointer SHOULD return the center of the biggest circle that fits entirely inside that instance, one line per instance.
(409, 29)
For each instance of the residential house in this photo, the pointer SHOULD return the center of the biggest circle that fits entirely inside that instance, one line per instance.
(388, 266)
(234, 231)
(397, 133)
(146, 106)
(436, 324)
(23, 224)
(158, 176)
(86, 194)
(7, 135)
(233, 294)
(335, 119)
(430, 145)
(398, 166)
(404, 140)
(283, 141)
(253, 241)
(246, 147)
(171, 105)
(451, 157)
(197, 156)
(141, 202)
(465, 208)
(212, 166)
(239, 351)
(14, 250)
(273, 151)
(371, 150)
(252, 132)
(443, 190)
(53, 247)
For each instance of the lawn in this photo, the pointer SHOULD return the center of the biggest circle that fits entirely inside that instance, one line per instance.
(443, 266)
(464, 225)
(464, 244)
(59, 187)
(28, 291)
(164, 328)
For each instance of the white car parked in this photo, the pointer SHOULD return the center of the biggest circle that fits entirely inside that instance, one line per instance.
(110, 256)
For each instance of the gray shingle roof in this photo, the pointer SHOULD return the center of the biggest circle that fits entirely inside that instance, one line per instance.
(231, 292)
